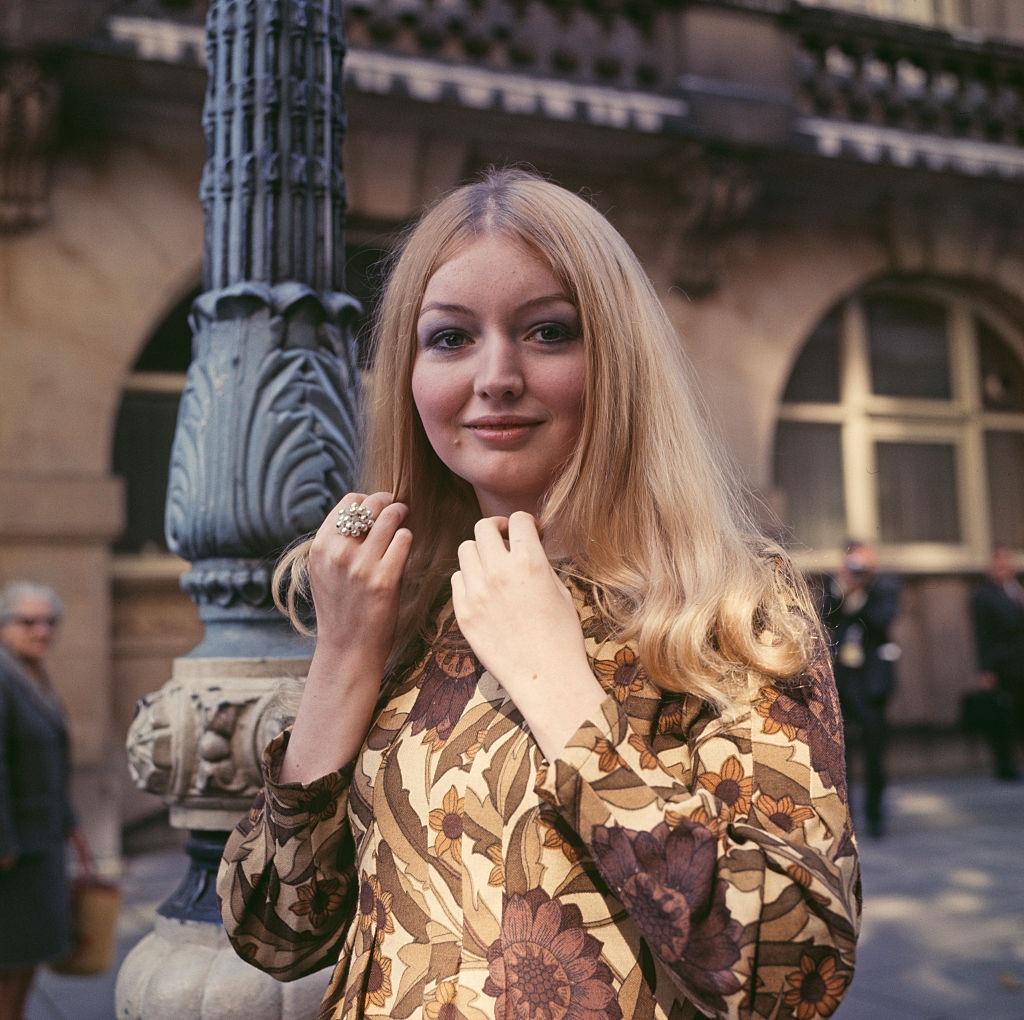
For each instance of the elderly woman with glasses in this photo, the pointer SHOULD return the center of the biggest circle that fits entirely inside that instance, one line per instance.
(35, 811)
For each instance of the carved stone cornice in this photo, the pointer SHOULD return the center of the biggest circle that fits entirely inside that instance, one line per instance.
(951, 234)
(29, 103)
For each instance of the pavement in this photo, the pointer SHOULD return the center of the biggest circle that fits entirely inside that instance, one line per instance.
(943, 935)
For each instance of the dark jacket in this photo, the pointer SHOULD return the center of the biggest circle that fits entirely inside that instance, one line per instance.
(35, 808)
(867, 626)
(998, 630)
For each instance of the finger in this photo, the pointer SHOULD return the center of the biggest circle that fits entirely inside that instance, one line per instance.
(386, 523)
(522, 534)
(376, 502)
(396, 555)
(470, 566)
(490, 545)
(458, 592)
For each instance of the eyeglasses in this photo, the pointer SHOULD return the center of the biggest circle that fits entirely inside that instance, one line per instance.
(36, 621)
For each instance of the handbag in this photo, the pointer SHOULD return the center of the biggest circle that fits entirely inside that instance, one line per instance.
(95, 903)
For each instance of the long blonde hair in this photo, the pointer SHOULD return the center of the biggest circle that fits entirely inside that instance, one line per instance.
(660, 526)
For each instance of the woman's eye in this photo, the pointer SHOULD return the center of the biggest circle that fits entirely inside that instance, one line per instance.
(447, 339)
(552, 332)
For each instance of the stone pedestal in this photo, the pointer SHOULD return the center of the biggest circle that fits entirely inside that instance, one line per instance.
(197, 743)
(188, 969)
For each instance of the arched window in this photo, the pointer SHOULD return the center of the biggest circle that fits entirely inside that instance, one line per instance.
(903, 421)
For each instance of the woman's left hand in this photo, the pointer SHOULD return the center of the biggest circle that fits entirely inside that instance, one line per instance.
(520, 620)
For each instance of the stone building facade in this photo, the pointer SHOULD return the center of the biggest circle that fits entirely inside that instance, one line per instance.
(827, 196)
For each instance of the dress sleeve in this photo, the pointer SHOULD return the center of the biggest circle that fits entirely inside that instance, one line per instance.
(287, 880)
(728, 842)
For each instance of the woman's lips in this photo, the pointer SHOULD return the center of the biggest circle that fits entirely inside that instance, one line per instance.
(503, 433)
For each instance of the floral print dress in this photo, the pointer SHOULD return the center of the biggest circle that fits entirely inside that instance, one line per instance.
(674, 862)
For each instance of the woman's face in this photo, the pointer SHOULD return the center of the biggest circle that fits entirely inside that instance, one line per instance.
(30, 629)
(498, 379)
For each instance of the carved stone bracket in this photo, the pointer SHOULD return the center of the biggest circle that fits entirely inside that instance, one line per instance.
(197, 741)
(29, 102)
(708, 196)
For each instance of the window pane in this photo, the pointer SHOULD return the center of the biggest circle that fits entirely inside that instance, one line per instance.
(917, 492)
(809, 471)
(142, 453)
(815, 375)
(1000, 371)
(1005, 458)
(908, 347)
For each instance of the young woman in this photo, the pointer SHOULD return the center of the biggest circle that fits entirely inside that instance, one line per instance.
(569, 745)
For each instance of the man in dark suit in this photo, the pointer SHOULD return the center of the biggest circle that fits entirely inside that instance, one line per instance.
(997, 610)
(859, 608)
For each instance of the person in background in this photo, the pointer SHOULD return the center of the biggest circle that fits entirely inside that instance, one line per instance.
(859, 609)
(997, 612)
(35, 810)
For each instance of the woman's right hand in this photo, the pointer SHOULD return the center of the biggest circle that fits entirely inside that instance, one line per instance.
(356, 582)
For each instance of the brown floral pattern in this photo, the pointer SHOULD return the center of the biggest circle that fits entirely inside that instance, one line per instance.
(816, 989)
(783, 813)
(810, 713)
(672, 858)
(318, 898)
(446, 821)
(731, 786)
(666, 880)
(378, 983)
(620, 676)
(545, 966)
(375, 905)
(447, 682)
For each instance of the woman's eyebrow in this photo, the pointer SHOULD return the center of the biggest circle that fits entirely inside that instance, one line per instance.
(443, 306)
(440, 306)
(545, 300)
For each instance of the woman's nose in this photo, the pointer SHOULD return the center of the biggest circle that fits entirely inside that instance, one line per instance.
(499, 374)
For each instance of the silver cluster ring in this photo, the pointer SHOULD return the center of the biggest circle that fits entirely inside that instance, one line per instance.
(354, 520)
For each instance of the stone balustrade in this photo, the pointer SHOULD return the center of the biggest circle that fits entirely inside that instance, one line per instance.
(907, 78)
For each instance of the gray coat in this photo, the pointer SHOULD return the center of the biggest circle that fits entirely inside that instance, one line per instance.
(35, 810)
(35, 819)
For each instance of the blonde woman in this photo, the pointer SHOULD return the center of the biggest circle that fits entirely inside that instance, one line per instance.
(569, 745)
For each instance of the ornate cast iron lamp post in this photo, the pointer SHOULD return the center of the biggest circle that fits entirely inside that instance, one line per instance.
(266, 442)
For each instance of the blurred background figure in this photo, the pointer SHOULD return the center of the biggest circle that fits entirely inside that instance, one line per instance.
(997, 611)
(35, 810)
(859, 608)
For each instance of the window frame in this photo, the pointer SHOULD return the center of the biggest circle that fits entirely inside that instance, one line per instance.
(865, 418)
